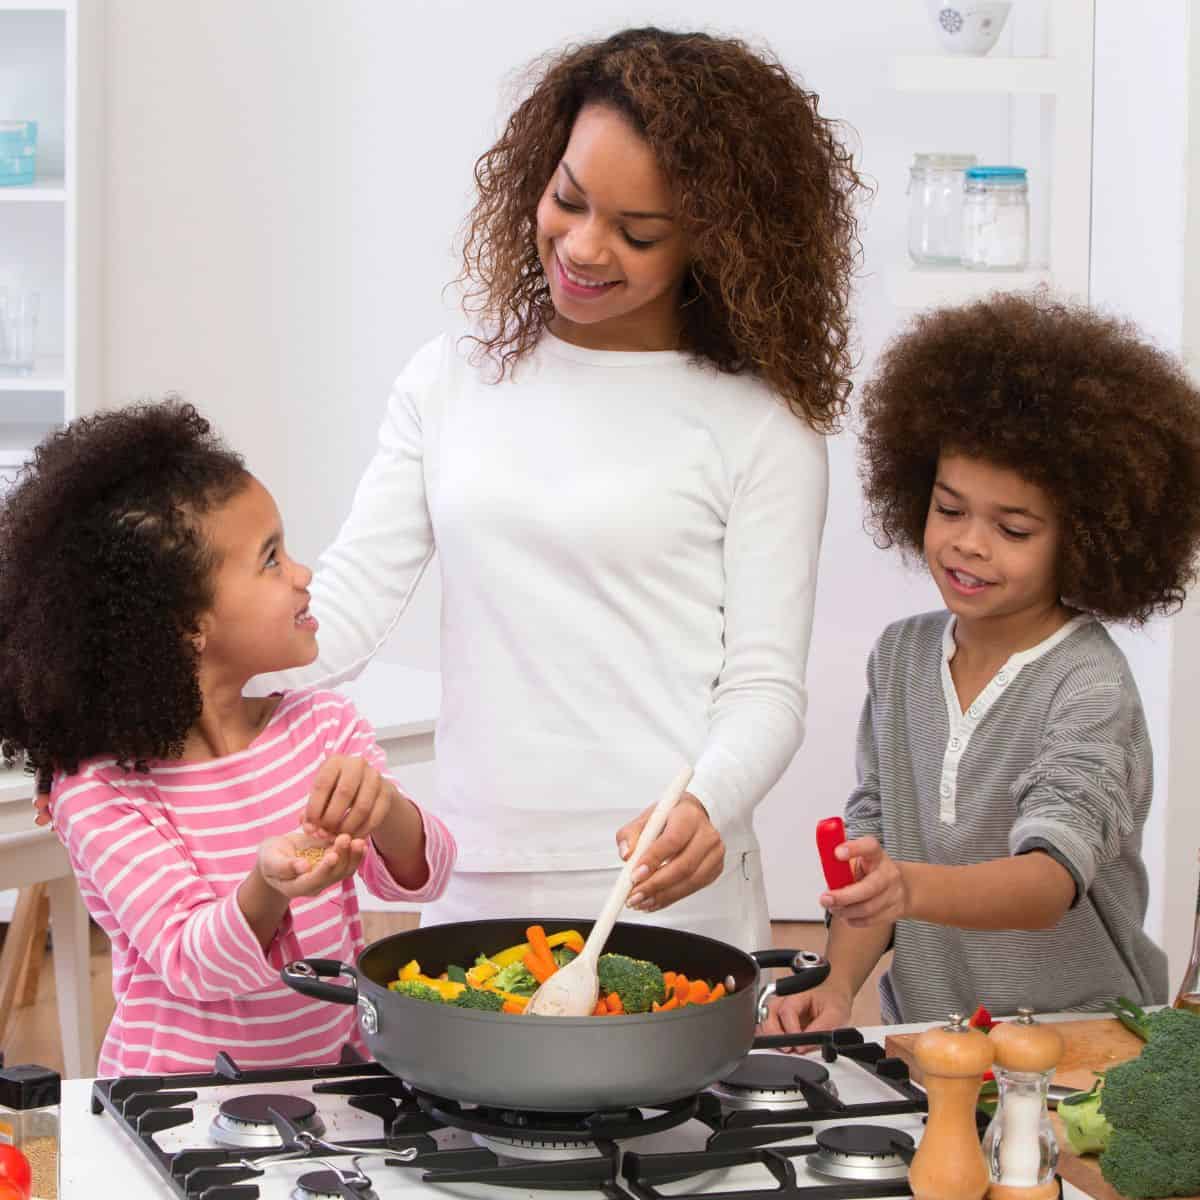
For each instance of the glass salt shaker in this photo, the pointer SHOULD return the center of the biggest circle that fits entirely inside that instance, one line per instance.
(935, 189)
(1020, 1146)
(995, 219)
(29, 1120)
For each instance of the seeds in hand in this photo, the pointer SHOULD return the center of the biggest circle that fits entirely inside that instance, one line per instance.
(312, 855)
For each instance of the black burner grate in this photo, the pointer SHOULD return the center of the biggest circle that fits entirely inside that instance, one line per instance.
(144, 1106)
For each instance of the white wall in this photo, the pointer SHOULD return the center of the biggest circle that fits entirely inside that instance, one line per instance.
(285, 181)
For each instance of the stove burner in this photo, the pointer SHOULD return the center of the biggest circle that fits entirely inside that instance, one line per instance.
(244, 1122)
(867, 1152)
(775, 1082)
(329, 1185)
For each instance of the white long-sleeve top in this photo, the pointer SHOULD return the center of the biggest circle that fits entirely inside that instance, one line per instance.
(628, 548)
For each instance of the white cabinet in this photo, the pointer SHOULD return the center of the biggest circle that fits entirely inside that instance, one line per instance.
(50, 72)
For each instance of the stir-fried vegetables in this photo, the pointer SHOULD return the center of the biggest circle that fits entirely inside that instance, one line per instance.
(504, 982)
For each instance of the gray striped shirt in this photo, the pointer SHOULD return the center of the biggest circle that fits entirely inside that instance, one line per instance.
(1053, 755)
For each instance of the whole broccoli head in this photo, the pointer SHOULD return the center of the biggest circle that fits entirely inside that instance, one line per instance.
(478, 999)
(638, 983)
(1153, 1106)
(515, 978)
(417, 990)
(1087, 1129)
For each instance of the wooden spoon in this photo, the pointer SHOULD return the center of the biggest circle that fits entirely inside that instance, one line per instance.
(572, 990)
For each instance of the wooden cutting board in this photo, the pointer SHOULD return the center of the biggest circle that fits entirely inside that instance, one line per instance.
(1088, 1047)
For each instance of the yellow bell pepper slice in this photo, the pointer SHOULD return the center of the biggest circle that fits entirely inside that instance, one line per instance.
(411, 970)
(481, 973)
(568, 937)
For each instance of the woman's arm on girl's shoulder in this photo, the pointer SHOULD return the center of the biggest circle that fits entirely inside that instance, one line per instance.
(365, 580)
(137, 879)
(772, 543)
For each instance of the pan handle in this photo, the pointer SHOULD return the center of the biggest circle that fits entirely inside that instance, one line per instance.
(307, 975)
(808, 969)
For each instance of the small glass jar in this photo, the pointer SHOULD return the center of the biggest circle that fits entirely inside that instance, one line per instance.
(29, 1120)
(995, 219)
(935, 189)
(1020, 1146)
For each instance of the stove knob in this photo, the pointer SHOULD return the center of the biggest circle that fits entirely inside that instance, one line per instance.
(368, 1017)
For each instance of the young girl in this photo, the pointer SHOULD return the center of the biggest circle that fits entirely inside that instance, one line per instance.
(143, 580)
(622, 473)
(1046, 464)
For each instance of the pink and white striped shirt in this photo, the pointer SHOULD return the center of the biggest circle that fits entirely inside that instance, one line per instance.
(159, 858)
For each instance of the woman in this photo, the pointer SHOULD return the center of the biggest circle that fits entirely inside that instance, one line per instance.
(621, 467)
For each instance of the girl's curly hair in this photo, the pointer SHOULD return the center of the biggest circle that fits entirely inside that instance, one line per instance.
(765, 193)
(1073, 401)
(103, 575)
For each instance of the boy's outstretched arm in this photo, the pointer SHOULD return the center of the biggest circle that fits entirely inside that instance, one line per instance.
(1026, 891)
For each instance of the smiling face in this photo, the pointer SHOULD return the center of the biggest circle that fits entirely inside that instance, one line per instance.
(608, 240)
(259, 619)
(991, 541)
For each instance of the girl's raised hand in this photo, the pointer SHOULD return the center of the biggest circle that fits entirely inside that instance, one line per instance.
(283, 866)
(880, 894)
(348, 796)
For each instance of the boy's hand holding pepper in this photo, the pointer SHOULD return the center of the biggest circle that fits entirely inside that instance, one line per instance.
(879, 896)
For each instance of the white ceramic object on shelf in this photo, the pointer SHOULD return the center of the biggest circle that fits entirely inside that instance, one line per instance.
(968, 28)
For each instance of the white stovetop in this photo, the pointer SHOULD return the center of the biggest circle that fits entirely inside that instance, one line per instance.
(96, 1152)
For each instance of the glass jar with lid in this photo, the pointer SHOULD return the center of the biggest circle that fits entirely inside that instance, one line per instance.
(995, 228)
(29, 1120)
(935, 190)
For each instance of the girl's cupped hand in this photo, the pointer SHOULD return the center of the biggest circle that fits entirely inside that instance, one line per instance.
(290, 864)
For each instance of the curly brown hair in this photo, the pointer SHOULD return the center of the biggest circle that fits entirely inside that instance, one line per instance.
(103, 575)
(765, 192)
(1072, 401)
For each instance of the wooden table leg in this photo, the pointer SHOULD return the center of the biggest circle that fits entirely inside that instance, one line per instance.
(35, 953)
(72, 976)
(16, 950)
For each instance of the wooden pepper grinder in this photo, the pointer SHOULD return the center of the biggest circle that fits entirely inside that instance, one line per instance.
(1020, 1146)
(949, 1162)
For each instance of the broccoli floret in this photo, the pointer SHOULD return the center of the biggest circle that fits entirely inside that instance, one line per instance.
(417, 990)
(562, 955)
(638, 983)
(478, 999)
(515, 978)
(1152, 1104)
(1087, 1129)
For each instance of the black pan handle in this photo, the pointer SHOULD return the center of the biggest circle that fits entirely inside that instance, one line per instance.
(306, 977)
(808, 970)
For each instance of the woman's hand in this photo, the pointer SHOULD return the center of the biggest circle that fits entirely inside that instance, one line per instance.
(880, 896)
(688, 855)
(283, 867)
(348, 796)
(822, 1008)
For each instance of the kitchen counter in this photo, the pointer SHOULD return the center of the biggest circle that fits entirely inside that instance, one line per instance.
(96, 1153)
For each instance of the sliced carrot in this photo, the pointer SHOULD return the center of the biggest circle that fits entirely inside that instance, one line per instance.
(697, 992)
(601, 1009)
(667, 1006)
(538, 967)
(682, 987)
(614, 1003)
(716, 993)
(538, 943)
(511, 1006)
(669, 981)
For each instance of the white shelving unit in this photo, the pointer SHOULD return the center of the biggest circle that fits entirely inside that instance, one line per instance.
(50, 232)
(50, 72)
(1059, 134)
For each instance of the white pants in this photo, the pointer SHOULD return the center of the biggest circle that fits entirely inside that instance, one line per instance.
(733, 909)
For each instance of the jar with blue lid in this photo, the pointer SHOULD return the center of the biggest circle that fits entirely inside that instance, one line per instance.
(18, 149)
(995, 219)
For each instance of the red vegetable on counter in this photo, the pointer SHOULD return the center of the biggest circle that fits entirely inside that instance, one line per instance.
(15, 1174)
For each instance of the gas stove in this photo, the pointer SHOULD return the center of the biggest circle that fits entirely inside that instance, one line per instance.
(840, 1124)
